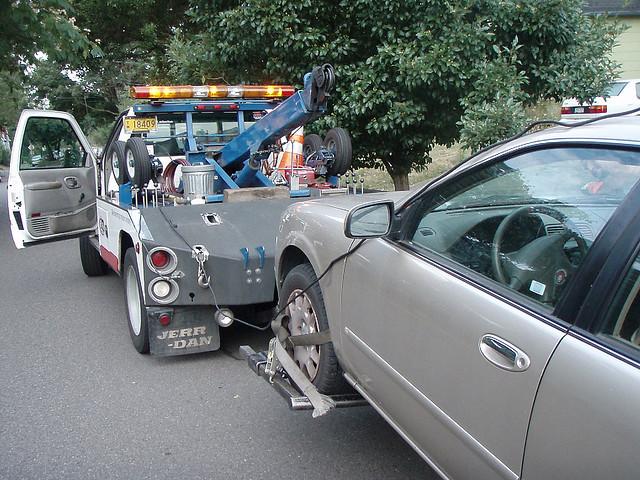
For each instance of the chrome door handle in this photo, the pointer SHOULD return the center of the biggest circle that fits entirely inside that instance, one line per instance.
(71, 182)
(503, 354)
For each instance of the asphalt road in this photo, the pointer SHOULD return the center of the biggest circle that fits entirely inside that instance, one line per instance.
(77, 401)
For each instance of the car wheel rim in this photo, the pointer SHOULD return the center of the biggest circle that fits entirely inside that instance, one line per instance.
(303, 320)
(115, 165)
(133, 301)
(331, 146)
(131, 164)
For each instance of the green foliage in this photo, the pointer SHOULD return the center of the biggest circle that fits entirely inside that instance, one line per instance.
(30, 27)
(411, 73)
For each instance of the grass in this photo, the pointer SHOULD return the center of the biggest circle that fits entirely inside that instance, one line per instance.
(443, 159)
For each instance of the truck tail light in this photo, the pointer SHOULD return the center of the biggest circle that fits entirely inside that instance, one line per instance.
(164, 319)
(163, 290)
(162, 260)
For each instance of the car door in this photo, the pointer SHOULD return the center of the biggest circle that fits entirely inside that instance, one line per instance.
(449, 352)
(584, 423)
(52, 179)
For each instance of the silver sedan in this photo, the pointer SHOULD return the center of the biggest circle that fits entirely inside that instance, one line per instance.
(493, 316)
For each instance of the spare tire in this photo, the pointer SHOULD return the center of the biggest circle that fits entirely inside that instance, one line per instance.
(338, 142)
(116, 158)
(138, 162)
(312, 143)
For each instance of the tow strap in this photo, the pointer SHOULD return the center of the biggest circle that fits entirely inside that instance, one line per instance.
(278, 356)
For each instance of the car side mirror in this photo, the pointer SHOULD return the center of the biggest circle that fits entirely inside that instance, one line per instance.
(371, 220)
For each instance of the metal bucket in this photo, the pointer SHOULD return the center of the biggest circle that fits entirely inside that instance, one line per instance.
(198, 181)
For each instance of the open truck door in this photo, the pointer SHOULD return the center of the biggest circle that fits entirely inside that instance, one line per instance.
(52, 179)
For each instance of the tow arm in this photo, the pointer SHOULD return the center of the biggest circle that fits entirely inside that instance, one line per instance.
(278, 369)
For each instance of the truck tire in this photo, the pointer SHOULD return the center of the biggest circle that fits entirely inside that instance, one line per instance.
(134, 301)
(138, 162)
(116, 158)
(338, 142)
(92, 263)
(307, 314)
(312, 143)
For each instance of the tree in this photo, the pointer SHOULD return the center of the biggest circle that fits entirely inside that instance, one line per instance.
(411, 73)
(31, 27)
(132, 37)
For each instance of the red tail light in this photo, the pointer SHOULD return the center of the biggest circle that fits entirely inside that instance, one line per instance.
(164, 319)
(565, 111)
(597, 109)
(160, 259)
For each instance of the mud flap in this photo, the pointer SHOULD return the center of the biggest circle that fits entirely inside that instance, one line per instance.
(191, 330)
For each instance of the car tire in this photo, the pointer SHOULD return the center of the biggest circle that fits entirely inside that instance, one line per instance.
(338, 142)
(134, 301)
(311, 144)
(92, 263)
(116, 157)
(138, 162)
(319, 363)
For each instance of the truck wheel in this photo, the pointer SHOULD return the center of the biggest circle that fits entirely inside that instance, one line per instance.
(92, 263)
(116, 158)
(312, 143)
(307, 314)
(136, 313)
(138, 163)
(338, 142)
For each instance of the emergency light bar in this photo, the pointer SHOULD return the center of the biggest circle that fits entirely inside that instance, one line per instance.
(212, 91)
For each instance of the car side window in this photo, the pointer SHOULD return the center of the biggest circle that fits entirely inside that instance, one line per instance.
(622, 319)
(527, 221)
(50, 143)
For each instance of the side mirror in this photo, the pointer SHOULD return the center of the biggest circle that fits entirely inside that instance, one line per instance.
(371, 220)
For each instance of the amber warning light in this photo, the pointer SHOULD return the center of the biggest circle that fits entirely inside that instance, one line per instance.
(212, 91)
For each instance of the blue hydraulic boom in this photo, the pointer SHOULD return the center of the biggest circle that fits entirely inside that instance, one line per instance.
(301, 108)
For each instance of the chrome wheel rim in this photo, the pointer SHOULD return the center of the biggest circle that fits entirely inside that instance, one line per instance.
(303, 320)
(133, 301)
(115, 165)
(131, 165)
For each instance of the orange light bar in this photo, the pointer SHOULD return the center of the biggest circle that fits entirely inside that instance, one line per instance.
(211, 91)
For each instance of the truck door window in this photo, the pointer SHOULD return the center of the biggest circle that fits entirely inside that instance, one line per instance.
(50, 143)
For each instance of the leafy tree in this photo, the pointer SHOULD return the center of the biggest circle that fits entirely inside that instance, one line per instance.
(411, 73)
(132, 37)
(30, 27)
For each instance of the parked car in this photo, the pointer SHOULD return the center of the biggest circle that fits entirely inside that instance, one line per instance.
(620, 96)
(492, 317)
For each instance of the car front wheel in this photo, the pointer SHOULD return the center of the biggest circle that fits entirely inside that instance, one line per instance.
(305, 313)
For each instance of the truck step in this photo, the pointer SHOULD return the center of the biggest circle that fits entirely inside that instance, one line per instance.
(295, 400)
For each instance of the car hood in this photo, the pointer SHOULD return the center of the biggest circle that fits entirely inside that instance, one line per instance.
(347, 202)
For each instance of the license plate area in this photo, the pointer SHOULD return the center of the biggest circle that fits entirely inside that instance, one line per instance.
(140, 124)
(191, 330)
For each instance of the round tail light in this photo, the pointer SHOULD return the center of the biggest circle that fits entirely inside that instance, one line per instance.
(160, 259)
(164, 319)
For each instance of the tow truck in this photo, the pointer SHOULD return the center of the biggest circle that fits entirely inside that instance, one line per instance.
(184, 203)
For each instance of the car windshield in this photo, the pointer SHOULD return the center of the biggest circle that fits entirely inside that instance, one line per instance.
(571, 175)
(614, 89)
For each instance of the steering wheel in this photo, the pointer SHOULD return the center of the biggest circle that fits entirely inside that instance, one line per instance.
(542, 265)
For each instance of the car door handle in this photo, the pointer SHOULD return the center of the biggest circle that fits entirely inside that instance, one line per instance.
(71, 182)
(503, 354)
